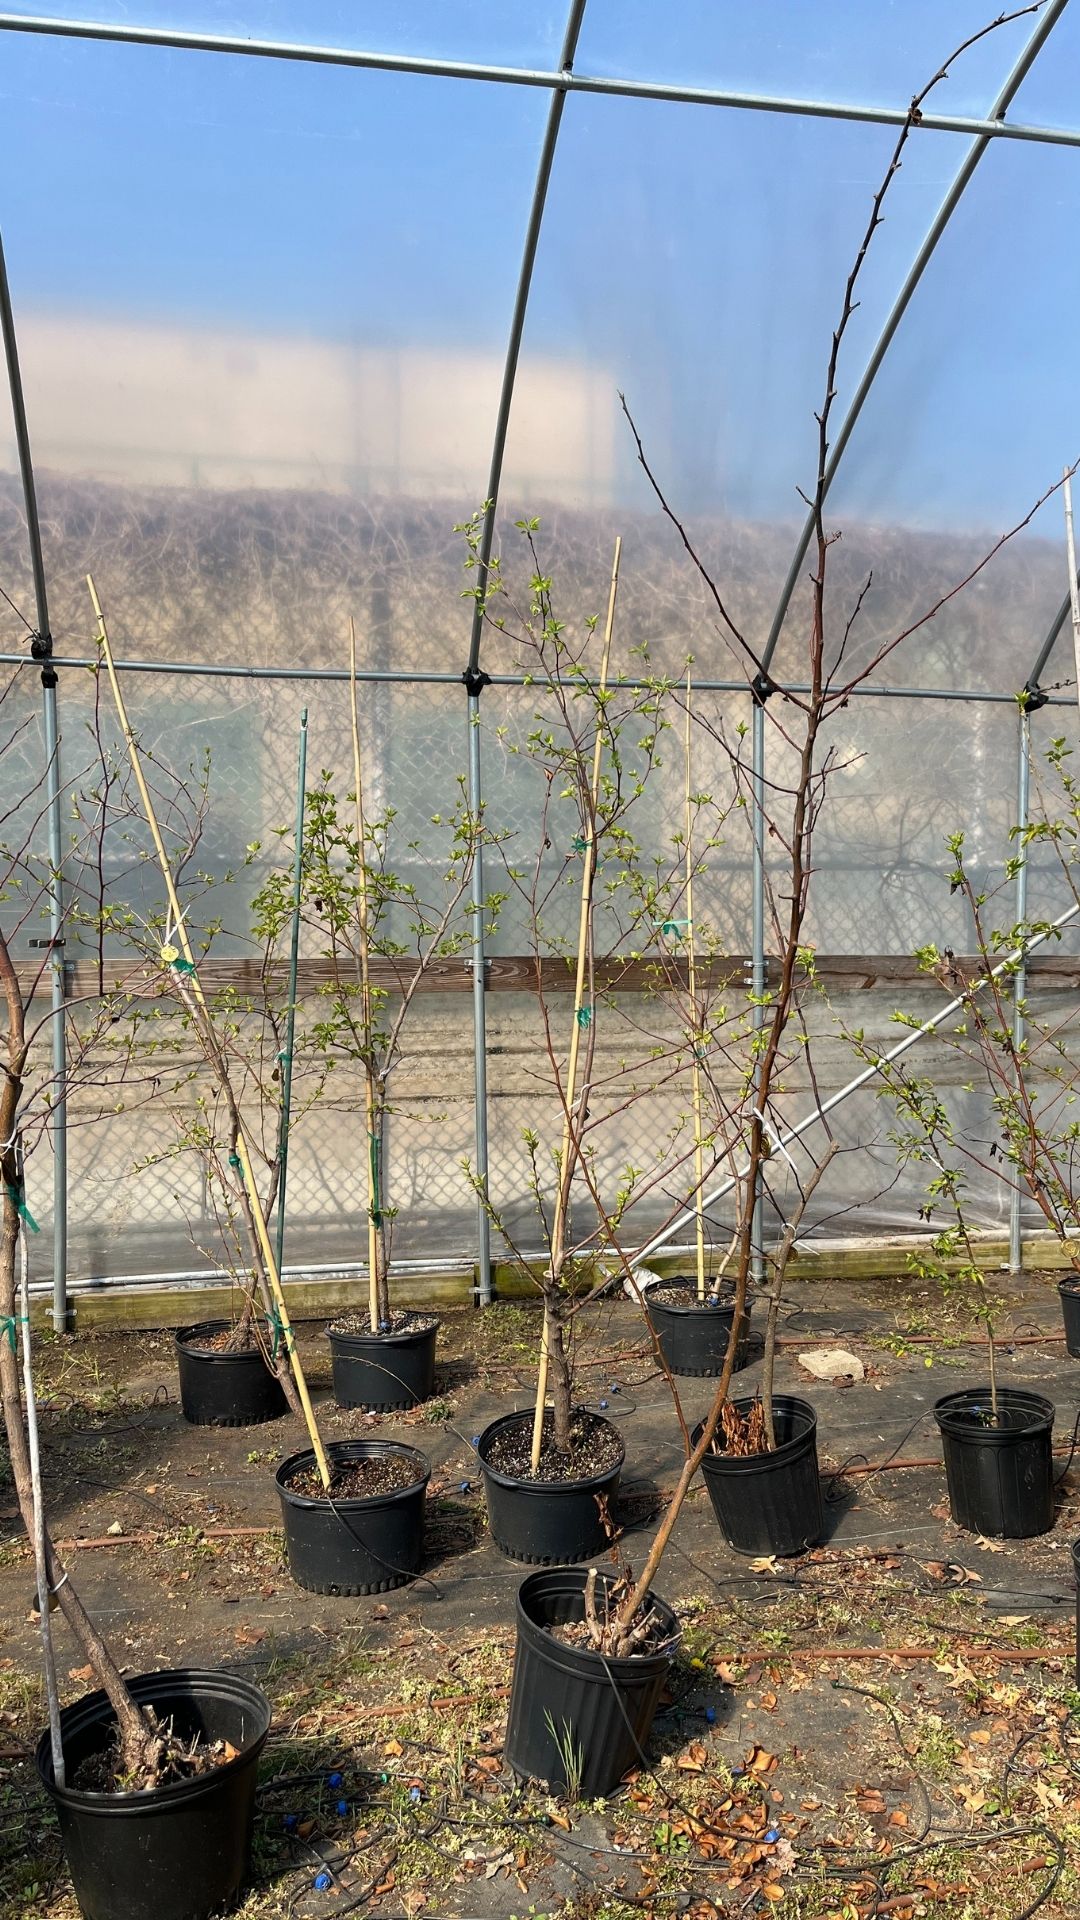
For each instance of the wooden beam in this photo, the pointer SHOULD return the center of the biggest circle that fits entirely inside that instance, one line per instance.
(517, 973)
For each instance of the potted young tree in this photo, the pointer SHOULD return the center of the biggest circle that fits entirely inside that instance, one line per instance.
(570, 1638)
(380, 938)
(590, 753)
(153, 1778)
(354, 1512)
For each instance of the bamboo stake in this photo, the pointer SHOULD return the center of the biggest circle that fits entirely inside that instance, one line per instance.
(290, 1019)
(374, 1137)
(199, 998)
(695, 1031)
(1074, 592)
(562, 1193)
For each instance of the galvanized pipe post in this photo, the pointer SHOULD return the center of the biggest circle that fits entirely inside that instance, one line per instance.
(286, 1058)
(41, 647)
(479, 967)
(1019, 985)
(758, 969)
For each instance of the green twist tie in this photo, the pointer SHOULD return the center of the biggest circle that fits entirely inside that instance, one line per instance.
(274, 1320)
(234, 1159)
(374, 1158)
(579, 845)
(584, 1016)
(18, 1201)
(7, 1330)
(672, 929)
(182, 966)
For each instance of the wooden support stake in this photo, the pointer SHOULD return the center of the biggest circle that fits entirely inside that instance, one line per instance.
(588, 875)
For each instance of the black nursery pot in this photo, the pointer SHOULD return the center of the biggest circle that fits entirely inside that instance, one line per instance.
(1000, 1478)
(570, 1703)
(694, 1337)
(383, 1371)
(1069, 1295)
(225, 1389)
(769, 1502)
(354, 1546)
(178, 1852)
(547, 1523)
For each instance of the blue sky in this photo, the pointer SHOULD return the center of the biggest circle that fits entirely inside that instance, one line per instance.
(694, 256)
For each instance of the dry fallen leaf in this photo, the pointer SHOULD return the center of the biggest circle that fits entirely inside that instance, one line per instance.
(393, 1749)
(249, 1636)
(80, 1673)
(759, 1760)
(694, 1759)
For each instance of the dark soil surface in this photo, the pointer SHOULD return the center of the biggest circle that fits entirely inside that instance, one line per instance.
(358, 1479)
(775, 1728)
(226, 1340)
(682, 1292)
(594, 1447)
(402, 1321)
(103, 1772)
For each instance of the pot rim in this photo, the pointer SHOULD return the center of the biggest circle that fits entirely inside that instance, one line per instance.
(598, 1665)
(746, 1462)
(953, 1411)
(403, 1337)
(354, 1449)
(721, 1306)
(503, 1479)
(96, 1708)
(210, 1353)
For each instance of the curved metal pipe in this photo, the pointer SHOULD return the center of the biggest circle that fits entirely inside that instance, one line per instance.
(903, 299)
(430, 66)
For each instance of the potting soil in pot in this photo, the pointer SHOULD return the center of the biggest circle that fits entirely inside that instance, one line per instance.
(594, 1448)
(357, 1479)
(223, 1340)
(400, 1321)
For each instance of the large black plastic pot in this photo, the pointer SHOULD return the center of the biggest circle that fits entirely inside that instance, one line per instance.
(694, 1337)
(383, 1371)
(1000, 1478)
(769, 1502)
(546, 1523)
(1069, 1295)
(354, 1546)
(577, 1720)
(179, 1852)
(225, 1389)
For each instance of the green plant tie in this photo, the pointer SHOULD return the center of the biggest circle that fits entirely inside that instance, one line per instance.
(579, 845)
(7, 1327)
(183, 966)
(584, 1016)
(672, 929)
(274, 1321)
(374, 1161)
(18, 1201)
(234, 1159)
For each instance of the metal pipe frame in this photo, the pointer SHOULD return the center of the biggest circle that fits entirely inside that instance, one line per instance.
(517, 325)
(41, 652)
(431, 67)
(475, 680)
(479, 1004)
(1019, 985)
(819, 1112)
(758, 975)
(424, 677)
(903, 300)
